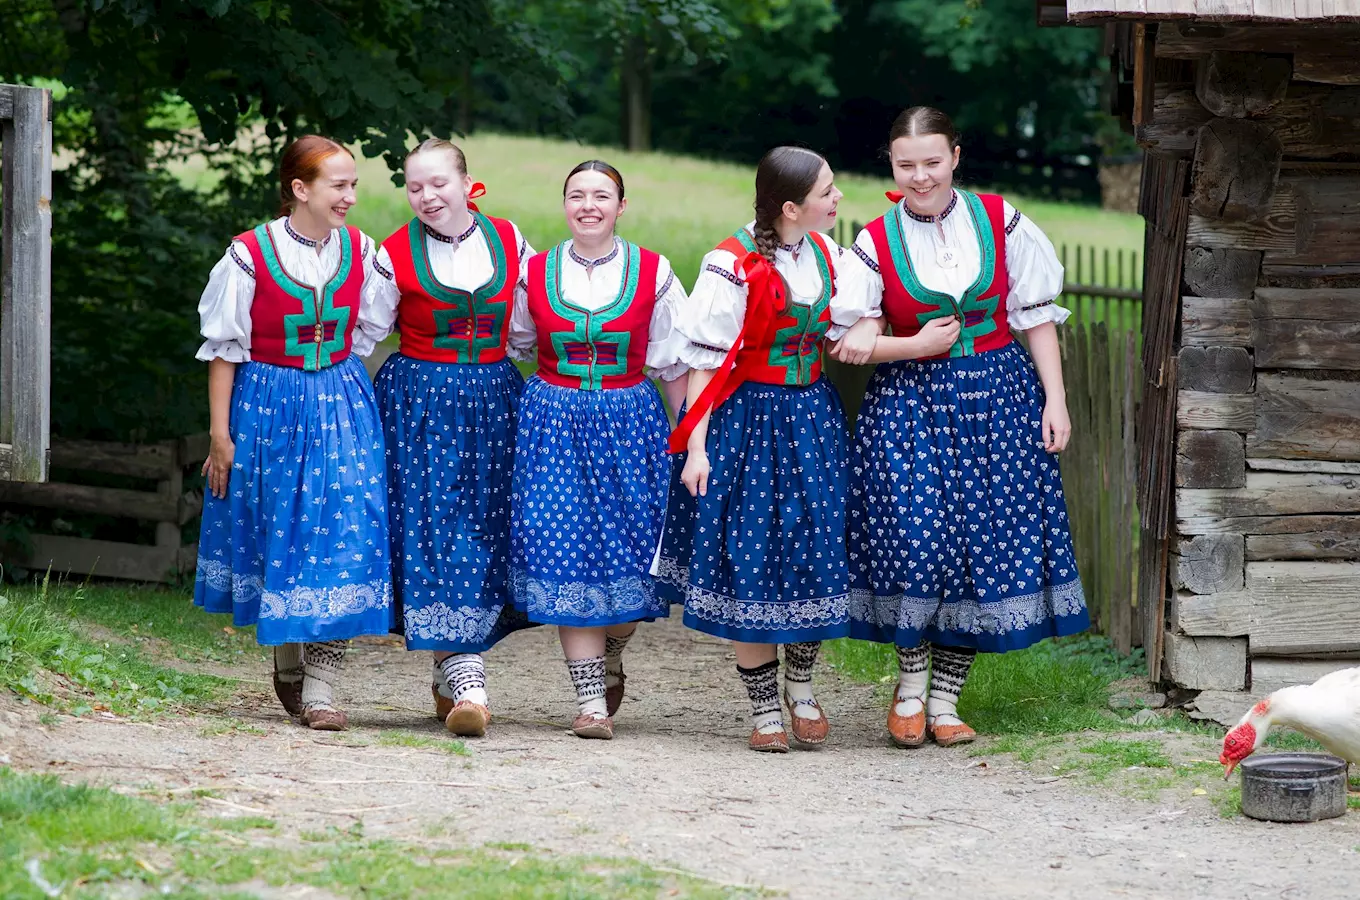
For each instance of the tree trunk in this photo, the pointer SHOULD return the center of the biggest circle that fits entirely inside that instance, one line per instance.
(635, 95)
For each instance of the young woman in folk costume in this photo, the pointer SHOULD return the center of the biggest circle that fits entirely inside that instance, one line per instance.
(959, 537)
(294, 537)
(448, 400)
(590, 455)
(756, 537)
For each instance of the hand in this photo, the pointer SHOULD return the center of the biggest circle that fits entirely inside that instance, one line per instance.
(217, 467)
(937, 336)
(856, 345)
(1057, 427)
(695, 474)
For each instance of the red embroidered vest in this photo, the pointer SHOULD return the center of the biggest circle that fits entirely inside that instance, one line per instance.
(294, 325)
(447, 324)
(789, 349)
(908, 304)
(597, 350)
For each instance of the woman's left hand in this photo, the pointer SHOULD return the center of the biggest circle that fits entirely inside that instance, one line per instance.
(1057, 426)
(857, 344)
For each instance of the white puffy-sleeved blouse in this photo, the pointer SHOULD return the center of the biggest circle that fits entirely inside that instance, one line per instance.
(712, 320)
(463, 262)
(592, 284)
(224, 308)
(1033, 271)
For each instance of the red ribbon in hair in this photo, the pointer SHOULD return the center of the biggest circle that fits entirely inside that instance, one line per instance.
(478, 190)
(764, 301)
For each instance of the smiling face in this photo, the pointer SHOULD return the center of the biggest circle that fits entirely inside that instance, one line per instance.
(437, 190)
(817, 212)
(592, 206)
(328, 197)
(923, 168)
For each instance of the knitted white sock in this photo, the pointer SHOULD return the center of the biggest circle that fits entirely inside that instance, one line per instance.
(587, 676)
(799, 660)
(288, 663)
(762, 686)
(912, 680)
(949, 670)
(465, 674)
(613, 657)
(321, 663)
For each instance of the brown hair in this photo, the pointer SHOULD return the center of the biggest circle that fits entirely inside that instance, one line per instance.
(302, 161)
(595, 165)
(439, 145)
(921, 121)
(785, 174)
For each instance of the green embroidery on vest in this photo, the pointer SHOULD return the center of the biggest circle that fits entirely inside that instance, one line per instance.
(305, 332)
(796, 348)
(588, 352)
(946, 305)
(471, 324)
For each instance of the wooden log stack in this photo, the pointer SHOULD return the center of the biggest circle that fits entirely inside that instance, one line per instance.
(168, 505)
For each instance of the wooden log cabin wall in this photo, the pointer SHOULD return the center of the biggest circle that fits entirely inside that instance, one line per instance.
(1250, 429)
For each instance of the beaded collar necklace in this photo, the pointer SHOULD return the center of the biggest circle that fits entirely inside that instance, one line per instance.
(953, 201)
(592, 264)
(444, 238)
(304, 241)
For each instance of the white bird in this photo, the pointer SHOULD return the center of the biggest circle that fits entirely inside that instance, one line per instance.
(1328, 711)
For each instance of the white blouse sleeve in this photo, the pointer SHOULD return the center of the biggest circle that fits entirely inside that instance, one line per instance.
(665, 344)
(856, 296)
(522, 246)
(711, 319)
(523, 336)
(224, 308)
(1035, 274)
(377, 300)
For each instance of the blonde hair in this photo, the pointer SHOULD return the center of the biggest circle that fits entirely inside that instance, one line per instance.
(432, 145)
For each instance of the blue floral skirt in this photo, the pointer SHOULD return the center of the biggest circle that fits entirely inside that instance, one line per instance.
(298, 547)
(761, 557)
(587, 505)
(450, 434)
(958, 527)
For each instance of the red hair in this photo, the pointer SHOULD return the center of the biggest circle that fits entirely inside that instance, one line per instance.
(301, 161)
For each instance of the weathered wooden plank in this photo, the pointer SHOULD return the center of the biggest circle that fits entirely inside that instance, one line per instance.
(1144, 74)
(6, 461)
(1211, 615)
(1307, 419)
(1273, 9)
(136, 460)
(1305, 545)
(1304, 465)
(1219, 370)
(1206, 663)
(1321, 304)
(1327, 217)
(1306, 329)
(81, 498)
(1228, 412)
(1214, 9)
(1270, 675)
(1304, 607)
(1221, 272)
(106, 559)
(1276, 233)
(1210, 459)
(1216, 321)
(1312, 122)
(1190, 40)
(1272, 494)
(1237, 167)
(1242, 85)
(193, 449)
(1250, 525)
(26, 281)
(6, 101)
(1210, 564)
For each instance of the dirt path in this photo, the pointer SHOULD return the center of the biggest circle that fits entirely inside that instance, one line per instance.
(678, 788)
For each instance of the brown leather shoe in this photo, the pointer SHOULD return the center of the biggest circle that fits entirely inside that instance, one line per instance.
(949, 735)
(289, 694)
(906, 731)
(593, 725)
(807, 731)
(777, 742)
(613, 696)
(442, 705)
(468, 719)
(325, 719)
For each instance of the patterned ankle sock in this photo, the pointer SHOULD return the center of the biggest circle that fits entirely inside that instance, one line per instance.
(466, 677)
(440, 683)
(798, 662)
(613, 657)
(321, 664)
(587, 675)
(762, 686)
(949, 670)
(288, 663)
(912, 680)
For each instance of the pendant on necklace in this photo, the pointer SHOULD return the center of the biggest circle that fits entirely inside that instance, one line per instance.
(946, 258)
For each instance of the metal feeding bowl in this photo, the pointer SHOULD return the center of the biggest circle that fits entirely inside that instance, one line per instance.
(1293, 787)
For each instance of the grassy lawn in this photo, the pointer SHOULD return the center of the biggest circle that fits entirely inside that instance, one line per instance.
(679, 206)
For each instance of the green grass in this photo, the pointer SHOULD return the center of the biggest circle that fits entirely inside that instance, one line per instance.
(679, 206)
(421, 742)
(1054, 687)
(44, 655)
(78, 841)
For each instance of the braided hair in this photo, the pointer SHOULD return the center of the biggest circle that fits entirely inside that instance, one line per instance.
(785, 175)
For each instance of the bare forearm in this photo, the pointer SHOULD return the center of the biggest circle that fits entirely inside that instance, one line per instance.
(1043, 347)
(674, 392)
(221, 375)
(698, 380)
(891, 349)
